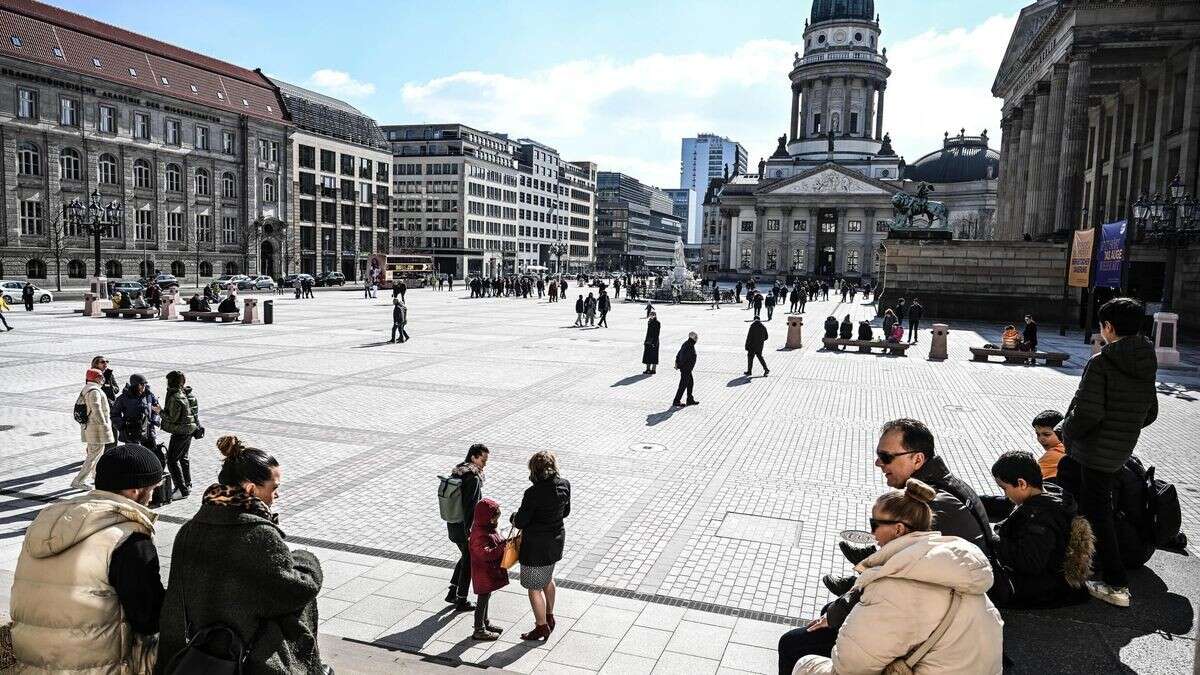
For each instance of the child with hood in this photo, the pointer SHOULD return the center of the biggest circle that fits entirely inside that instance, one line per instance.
(487, 550)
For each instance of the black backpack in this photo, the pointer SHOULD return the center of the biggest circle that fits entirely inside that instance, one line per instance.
(1164, 518)
(81, 411)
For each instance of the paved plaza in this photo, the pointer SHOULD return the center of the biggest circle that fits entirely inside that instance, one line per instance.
(697, 535)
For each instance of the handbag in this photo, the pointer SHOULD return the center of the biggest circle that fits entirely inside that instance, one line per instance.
(512, 550)
(905, 666)
(199, 432)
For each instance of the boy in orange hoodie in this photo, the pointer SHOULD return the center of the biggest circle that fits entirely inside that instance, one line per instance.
(1052, 446)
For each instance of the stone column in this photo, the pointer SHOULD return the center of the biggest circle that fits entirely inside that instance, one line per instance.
(795, 111)
(1021, 175)
(846, 106)
(1046, 222)
(879, 115)
(1191, 122)
(760, 227)
(1074, 145)
(827, 82)
(1005, 182)
(869, 117)
(805, 108)
(1037, 157)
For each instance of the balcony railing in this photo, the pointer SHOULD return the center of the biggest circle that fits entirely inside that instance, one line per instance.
(841, 55)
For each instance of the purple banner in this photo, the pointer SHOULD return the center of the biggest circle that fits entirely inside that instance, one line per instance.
(1110, 255)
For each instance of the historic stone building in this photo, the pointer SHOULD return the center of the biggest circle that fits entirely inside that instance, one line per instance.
(194, 149)
(341, 187)
(1101, 104)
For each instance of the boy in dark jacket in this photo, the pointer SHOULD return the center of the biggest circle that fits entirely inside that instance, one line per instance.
(1115, 400)
(487, 550)
(1043, 550)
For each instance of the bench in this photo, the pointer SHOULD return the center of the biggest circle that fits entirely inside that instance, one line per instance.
(865, 346)
(1055, 359)
(130, 313)
(223, 317)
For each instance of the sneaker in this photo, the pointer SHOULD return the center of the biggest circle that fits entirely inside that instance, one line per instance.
(484, 635)
(1113, 595)
(839, 586)
(856, 553)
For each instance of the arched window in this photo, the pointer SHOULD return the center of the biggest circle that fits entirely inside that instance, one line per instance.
(29, 160)
(747, 252)
(112, 269)
(177, 269)
(772, 258)
(35, 269)
(852, 260)
(228, 185)
(143, 175)
(231, 268)
(108, 169)
(206, 269)
(69, 166)
(76, 269)
(174, 178)
(146, 269)
(269, 190)
(202, 186)
(798, 259)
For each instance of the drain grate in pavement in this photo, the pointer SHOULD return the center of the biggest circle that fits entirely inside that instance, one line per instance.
(958, 408)
(762, 529)
(648, 447)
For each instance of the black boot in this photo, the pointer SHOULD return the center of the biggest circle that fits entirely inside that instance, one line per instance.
(856, 553)
(839, 586)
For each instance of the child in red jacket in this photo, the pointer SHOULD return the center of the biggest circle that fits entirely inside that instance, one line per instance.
(487, 550)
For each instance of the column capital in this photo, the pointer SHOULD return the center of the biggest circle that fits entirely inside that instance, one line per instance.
(1059, 69)
(1042, 88)
(1081, 53)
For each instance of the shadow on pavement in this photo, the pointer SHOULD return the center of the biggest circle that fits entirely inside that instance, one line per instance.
(739, 381)
(372, 344)
(630, 380)
(22, 482)
(660, 417)
(419, 635)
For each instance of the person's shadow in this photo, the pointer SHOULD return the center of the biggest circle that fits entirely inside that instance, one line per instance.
(419, 635)
(372, 344)
(632, 379)
(739, 381)
(654, 419)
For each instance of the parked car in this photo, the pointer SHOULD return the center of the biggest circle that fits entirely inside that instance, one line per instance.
(290, 280)
(12, 292)
(166, 281)
(257, 282)
(128, 287)
(235, 279)
(331, 279)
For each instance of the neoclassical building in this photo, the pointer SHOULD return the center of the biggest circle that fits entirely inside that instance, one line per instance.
(195, 150)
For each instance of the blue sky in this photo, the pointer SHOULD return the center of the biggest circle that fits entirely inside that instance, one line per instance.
(615, 82)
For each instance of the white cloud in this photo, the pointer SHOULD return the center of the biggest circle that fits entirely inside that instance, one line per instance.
(338, 83)
(630, 115)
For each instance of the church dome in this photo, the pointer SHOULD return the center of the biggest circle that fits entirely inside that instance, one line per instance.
(834, 10)
(961, 159)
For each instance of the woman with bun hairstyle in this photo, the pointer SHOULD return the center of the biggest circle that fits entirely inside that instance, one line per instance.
(918, 584)
(231, 566)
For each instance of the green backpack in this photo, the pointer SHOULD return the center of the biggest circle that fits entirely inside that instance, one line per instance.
(450, 499)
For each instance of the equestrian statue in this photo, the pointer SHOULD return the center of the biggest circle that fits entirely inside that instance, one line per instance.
(909, 207)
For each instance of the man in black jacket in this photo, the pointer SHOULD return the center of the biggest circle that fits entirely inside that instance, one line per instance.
(1116, 399)
(470, 472)
(604, 304)
(399, 319)
(579, 311)
(756, 337)
(685, 361)
(756, 301)
(914, 319)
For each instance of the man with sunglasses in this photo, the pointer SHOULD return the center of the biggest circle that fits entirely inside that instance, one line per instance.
(906, 450)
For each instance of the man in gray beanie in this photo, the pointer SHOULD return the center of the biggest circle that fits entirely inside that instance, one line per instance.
(87, 592)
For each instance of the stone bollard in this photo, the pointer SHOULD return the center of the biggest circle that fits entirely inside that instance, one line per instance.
(1166, 347)
(250, 311)
(167, 310)
(938, 347)
(795, 325)
(1097, 343)
(91, 304)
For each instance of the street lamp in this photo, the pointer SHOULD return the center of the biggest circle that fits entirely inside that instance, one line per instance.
(1169, 223)
(96, 219)
(557, 249)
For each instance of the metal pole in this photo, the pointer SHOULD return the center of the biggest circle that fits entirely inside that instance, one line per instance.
(96, 245)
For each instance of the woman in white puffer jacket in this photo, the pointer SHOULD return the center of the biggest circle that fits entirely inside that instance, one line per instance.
(907, 589)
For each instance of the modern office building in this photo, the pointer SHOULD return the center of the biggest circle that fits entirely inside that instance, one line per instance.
(341, 186)
(543, 214)
(703, 158)
(636, 227)
(456, 197)
(194, 149)
(579, 178)
(686, 209)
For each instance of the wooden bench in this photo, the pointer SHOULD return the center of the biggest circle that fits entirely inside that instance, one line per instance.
(223, 317)
(130, 313)
(1055, 359)
(865, 346)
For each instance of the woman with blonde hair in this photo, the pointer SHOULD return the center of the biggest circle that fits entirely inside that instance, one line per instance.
(921, 600)
(545, 504)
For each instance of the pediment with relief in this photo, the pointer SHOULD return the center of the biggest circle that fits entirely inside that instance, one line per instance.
(827, 182)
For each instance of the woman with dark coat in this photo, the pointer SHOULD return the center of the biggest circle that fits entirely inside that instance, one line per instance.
(231, 566)
(846, 332)
(831, 327)
(650, 348)
(545, 504)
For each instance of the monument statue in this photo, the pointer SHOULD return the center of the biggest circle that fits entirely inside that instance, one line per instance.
(680, 257)
(909, 207)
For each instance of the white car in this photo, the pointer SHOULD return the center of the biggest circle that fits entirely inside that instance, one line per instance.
(11, 291)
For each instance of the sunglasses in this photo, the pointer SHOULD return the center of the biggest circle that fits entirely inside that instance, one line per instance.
(876, 522)
(886, 458)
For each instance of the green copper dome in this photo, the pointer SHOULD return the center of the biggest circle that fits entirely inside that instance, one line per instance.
(833, 10)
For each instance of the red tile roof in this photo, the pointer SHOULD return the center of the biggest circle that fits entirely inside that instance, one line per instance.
(131, 59)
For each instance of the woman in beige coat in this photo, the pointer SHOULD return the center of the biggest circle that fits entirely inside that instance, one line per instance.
(907, 589)
(98, 431)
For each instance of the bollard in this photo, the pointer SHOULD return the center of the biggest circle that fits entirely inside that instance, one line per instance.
(938, 347)
(91, 304)
(167, 311)
(1165, 345)
(1097, 343)
(795, 324)
(268, 311)
(250, 310)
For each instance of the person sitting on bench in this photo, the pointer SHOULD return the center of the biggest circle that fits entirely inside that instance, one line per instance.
(897, 333)
(138, 301)
(229, 304)
(210, 295)
(1011, 339)
(864, 331)
(198, 304)
(831, 327)
(846, 332)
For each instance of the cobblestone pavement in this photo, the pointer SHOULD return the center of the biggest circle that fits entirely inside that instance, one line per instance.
(696, 534)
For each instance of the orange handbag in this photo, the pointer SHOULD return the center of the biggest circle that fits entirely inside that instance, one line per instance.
(512, 550)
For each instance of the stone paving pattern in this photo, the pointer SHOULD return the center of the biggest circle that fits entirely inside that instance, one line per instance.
(735, 502)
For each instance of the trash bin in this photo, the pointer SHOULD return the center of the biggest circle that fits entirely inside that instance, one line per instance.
(268, 311)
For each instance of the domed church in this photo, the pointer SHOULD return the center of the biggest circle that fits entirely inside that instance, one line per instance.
(821, 204)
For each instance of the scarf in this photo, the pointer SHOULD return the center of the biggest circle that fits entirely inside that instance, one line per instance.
(236, 497)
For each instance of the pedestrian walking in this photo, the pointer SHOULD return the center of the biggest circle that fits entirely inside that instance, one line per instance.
(650, 345)
(716, 295)
(180, 419)
(544, 506)
(401, 288)
(399, 320)
(589, 309)
(914, 319)
(95, 426)
(756, 300)
(770, 305)
(756, 337)
(738, 293)
(4, 308)
(604, 304)
(579, 311)
(27, 296)
(685, 362)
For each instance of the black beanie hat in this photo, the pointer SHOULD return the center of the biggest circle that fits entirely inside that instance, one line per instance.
(127, 467)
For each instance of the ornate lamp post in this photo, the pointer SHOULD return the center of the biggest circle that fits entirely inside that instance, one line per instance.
(1169, 222)
(96, 219)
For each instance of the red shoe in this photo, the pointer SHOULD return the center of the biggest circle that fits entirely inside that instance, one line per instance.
(539, 633)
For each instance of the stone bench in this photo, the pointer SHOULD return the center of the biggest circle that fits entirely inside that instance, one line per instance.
(865, 346)
(130, 313)
(1055, 359)
(223, 317)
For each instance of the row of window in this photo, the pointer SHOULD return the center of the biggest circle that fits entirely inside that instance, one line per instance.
(771, 262)
(801, 225)
(329, 213)
(77, 269)
(307, 159)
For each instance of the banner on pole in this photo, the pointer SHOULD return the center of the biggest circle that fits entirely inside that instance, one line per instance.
(1110, 255)
(1081, 259)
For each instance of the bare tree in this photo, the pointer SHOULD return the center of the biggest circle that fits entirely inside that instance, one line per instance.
(57, 244)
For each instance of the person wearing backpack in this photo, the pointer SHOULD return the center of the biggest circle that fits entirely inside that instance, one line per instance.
(95, 426)
(469, 473)
(1116, 399)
